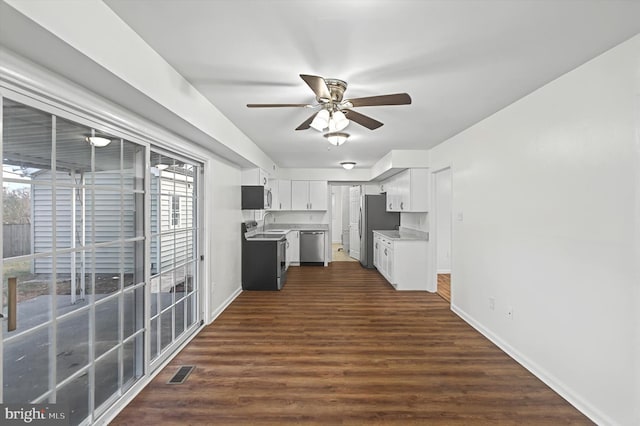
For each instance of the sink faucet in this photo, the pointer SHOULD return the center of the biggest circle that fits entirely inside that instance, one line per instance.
(264, 220)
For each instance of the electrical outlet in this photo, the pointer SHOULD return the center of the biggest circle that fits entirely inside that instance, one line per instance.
(510, 312)
(492, 303)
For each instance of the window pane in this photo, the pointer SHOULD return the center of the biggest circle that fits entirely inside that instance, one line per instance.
(107, 163)
(17, 208)
(107, 325)
(73, 152)
(25, 370)
(132, 361)
(33, 292)
(106, 216)
(26, 143)
(107, 270)
(155, 294)
(179, 318)
(72, 344)
(154, 337)
(191, 310)
(76, 396)
(133, 162)
(133, 310)
(133, 262)
(155, 255)
(106, 378)
(155, 214)
(166, 290)
(166, 328)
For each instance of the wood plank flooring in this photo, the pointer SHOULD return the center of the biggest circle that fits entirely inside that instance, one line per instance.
(444, 286)
(339, 346)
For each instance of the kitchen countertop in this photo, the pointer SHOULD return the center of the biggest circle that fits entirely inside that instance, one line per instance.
(404, 235)
(297, 227)
(282, 229)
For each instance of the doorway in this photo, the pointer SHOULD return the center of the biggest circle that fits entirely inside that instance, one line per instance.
(443, 221)
(344, 223)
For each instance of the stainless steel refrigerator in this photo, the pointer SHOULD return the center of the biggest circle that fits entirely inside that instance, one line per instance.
(374, 216)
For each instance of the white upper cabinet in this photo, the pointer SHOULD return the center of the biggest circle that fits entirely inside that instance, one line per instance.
(284, 194)
(281, 191)
(309, 195)
(408, 191)
(255, 177)
(318, 193)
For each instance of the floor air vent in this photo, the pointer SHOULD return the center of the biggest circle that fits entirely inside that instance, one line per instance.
(181, 375)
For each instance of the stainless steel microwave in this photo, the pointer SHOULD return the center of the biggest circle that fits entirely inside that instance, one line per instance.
(256, 197)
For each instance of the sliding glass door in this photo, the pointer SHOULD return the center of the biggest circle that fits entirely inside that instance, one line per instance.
(174, 262)
(99, 260)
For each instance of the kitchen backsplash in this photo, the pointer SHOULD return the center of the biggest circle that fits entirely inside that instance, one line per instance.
(415, 221)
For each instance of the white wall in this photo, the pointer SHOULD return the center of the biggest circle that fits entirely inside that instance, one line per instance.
(549, 193)
(415, 221)
(443, 220)
(224, 243)
(296, 217)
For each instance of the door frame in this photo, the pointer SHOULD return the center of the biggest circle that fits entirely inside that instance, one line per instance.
(432, 282)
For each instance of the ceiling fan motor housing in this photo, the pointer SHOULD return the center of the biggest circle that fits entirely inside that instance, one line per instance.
(336, 88)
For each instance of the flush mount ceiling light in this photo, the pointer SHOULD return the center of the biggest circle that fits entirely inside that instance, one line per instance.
(97, 141)
(337, 138)
(348, 165)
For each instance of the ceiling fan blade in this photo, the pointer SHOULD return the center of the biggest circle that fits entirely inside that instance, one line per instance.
(318, 85)
(307, 123)
(395, 99)
(278, 105)
(363, 120)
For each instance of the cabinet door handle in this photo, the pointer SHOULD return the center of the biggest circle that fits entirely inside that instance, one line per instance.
(280, 206)
(385, 252)
(389, 205)
(401, 206)
(376, 244)
(310, 206)
(287, 244)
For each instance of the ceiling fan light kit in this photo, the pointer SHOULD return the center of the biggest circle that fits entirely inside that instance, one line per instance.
(348, 165)
(337, 138)
(321, 120)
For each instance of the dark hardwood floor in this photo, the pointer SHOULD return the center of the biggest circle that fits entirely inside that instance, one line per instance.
(444, 286)
(339, 346)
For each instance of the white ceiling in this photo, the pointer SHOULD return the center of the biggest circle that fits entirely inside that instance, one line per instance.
(460, 61)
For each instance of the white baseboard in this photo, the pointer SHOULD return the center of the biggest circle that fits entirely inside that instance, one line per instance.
(550, 380)
(225, 304)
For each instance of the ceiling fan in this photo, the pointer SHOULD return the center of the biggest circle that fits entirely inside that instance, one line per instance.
(334, 111)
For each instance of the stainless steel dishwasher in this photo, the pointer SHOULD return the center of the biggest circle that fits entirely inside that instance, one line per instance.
(312, 247)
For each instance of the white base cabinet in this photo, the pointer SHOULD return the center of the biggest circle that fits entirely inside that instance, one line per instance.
(401, 262)
(293, 248)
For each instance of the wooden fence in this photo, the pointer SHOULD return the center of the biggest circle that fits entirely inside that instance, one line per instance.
(16, 239)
